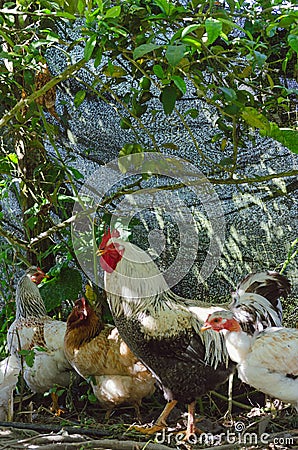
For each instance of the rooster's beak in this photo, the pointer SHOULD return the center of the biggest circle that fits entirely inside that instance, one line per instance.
(205, 327)
(100, 251)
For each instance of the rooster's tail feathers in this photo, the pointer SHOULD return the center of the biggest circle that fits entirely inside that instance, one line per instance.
(271, 285)
(256, 301)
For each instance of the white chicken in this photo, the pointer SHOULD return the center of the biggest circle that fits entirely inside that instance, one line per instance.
(9, 372)
(267, 361)
(162, 329)
(33, 330)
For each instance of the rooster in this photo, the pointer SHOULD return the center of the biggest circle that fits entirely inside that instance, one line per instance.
(267, 361)
(163, 329)
(34, 330)
(95, 349)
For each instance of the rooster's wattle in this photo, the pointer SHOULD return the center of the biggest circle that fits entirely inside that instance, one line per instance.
(267, 360)
(163, 329)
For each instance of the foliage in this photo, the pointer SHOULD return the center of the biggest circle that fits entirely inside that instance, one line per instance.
(66, 285)
(235, 58)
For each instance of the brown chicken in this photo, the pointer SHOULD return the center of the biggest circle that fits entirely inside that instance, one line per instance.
(95, 349)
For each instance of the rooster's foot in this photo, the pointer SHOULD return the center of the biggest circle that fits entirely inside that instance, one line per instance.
(147, 429)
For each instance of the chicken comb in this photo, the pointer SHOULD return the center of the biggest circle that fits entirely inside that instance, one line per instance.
(39, 270)
(107, 236)
(80, 301)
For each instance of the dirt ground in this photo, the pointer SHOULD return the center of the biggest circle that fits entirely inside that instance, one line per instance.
(83, 425)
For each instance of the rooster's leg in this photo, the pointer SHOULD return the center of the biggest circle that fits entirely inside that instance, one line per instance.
(191, 425)
(191, 429)
(160, 422)
(230, 394)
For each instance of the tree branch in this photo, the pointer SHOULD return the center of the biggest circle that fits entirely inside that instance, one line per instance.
(25, 102)
(12, 239)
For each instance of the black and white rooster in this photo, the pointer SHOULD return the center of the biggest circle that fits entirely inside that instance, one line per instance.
(163, 329)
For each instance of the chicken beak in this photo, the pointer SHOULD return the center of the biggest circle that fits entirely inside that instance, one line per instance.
(100, 251)
(41, 272)
(205, 327)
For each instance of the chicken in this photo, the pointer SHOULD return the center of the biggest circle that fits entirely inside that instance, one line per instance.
(95, 349)
(9, 371)
(34, 330)
(163, 329)
(267, 361)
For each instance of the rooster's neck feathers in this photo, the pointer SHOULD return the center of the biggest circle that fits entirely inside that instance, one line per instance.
(29, 302)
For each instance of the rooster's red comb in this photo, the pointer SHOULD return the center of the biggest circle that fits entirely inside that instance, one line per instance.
(107, 236)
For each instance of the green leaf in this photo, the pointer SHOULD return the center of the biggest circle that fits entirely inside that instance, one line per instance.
(260, 58)
(175, 53)
(180, 83)
(113, 12)
(13, 158)
(229, 93)
(64, 14)
(100, 5)
(28, 355)
(89, 47)
(53, 37)
(192, 112)
(164, 5)
(286, 136)
(67, 285)
(59, 392)
(170, 145)
(125, 123)
(158, 70)
(92, 398)
(213, 29)
(143, 49)
(31, 222)
(114, 71)
(293, 42)
(189, 40)
(40, 349)
(168, 99)
(81, 6)
(189, 29)
(79, 98)
(131, 155)
(78, 175)
(255, 119)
